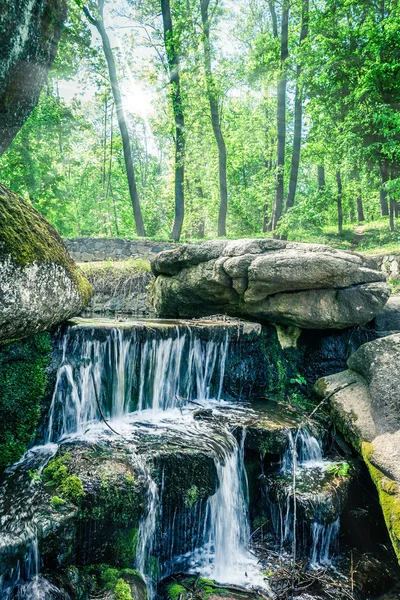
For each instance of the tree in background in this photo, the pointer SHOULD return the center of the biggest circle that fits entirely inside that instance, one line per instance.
(98, 22)
(172, 51)
(215, 109)
(341, 135)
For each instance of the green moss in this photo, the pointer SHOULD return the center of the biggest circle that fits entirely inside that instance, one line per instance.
(389, 497)
(192, 496)
(27, 237)
(23, 375)
(124, 547)
(72, 489)
(282, 365)
(175, 590)
(122, 591)
(57, 501)
(117, 500)
(57, 474)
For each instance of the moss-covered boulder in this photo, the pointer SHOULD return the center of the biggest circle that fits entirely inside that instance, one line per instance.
(29, 35)
(40, 283)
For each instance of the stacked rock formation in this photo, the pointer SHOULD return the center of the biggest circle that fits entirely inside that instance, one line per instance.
(307, 285)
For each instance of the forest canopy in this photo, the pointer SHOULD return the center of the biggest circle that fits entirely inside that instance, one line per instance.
(188, 119)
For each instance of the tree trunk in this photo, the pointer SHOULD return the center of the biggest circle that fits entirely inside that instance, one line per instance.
(384, 167)
(215, 119)
(112, 70)
(281, 120)
(298, 115)
(175, 83)
(321, 179)
(360, 208)
(339, 200)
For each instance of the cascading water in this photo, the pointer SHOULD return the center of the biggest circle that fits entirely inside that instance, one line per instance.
(129, 372)
(228, 520)
(316, 535)
(144, 380)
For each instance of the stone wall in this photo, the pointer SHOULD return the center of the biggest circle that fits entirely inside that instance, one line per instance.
(389, 264)
(119, 287)
(93, 249)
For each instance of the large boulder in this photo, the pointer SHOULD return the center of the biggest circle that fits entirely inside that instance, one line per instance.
(367, 412)
(29, 35)
(307, 285)
(40, 284)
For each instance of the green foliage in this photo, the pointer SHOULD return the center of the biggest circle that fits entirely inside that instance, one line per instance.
(35, 475)
(68, 162)
(298, 380)
(340, 470)
(23, 368)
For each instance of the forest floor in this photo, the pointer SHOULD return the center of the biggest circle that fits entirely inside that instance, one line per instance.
(368, 238)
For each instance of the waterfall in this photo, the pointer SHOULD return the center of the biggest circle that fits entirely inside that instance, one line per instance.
(308, 451)
(129, 372)
(146, 537)
(229, 528)
(316, 539)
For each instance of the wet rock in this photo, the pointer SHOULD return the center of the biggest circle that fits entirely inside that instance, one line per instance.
(186, 587)
(107, 486)
(371, 575)
(305, 285)
(320, 494)
(29, 35)
(40, 283)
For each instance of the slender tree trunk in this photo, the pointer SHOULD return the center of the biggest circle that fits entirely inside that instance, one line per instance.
(384, 167)
(215, 119)
(281, 119)
(360, 208)
(339, 200)
(321, 179)
(112, 70)
(392, 203)
(175, 84)
(298, 114)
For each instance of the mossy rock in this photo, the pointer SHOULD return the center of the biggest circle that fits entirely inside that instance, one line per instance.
(41, 284)
(389, 497)
(23, 373)
(107, 492)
